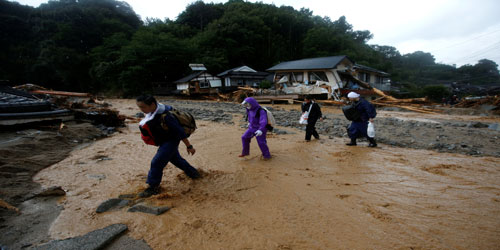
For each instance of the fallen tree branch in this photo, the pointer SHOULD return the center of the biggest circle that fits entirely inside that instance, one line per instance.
(8, 206)
(62, 93)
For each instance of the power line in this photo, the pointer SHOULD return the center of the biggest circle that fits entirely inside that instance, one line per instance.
(460, 43)
(475, 54)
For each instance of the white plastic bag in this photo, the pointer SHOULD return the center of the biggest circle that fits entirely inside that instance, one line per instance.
(371, 130)
(303, 117)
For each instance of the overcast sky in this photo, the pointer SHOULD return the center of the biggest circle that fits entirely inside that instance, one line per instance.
(454, 31)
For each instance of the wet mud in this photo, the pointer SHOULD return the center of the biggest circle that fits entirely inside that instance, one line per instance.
(311, 195)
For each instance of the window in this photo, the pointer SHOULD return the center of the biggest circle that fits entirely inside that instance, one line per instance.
(297, 77)
(240, 82)
(317, 76)
(204, 84)
(363, 76)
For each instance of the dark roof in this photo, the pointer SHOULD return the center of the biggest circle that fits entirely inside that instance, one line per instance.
(189, 77)
(311, 63)
(228, 71)
(235, 72)
(366, 68)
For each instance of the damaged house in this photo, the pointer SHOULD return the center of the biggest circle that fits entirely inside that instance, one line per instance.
(198, 82)
(242, 76)
(333, 76)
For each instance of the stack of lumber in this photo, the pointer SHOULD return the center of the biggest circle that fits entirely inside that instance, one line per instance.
(412, 104)
(473, 103)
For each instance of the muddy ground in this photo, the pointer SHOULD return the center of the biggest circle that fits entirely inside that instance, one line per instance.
(454, 131)
(432, 183)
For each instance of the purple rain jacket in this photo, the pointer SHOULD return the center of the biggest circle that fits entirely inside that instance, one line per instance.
(256, 124)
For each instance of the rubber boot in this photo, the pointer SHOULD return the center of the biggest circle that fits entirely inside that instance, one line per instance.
(373, 143)
(352, 143)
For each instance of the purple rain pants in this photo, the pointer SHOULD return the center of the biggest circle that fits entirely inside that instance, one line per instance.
(261, 140)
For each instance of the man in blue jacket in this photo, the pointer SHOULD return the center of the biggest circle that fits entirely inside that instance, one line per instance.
(359, 127)
(162, 129)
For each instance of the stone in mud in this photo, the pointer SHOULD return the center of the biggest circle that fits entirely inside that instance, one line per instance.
(280, 132)
(112, 204)
(148, 209)
(127, 196)
(92, 241)
(477, 125)
(97, 176)
(494, 126)
(52, 191)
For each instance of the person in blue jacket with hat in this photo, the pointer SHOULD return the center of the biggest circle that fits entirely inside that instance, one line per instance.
(359, 127)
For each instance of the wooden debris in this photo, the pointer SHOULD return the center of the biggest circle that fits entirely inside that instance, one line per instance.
(61, 93)
(380, 93)
(8, 206)
(331, 102)
(407, 107)
(472, 103)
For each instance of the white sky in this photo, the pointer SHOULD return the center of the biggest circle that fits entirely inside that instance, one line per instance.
(454, 31)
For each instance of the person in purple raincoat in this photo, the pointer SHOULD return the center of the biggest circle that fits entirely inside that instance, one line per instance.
(257, 121)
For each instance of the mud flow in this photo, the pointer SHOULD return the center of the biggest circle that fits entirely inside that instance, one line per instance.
(311, 195)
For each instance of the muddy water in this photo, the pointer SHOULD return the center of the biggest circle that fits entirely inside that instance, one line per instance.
(316, 195)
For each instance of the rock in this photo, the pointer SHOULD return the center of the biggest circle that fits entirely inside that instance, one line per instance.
(52, 191)
(110, 130)
(97, 176)
(127, 196)
(92, 241)
(279, 131)
(494, 126)
(112, 204)
(477, 125)
(148, 209)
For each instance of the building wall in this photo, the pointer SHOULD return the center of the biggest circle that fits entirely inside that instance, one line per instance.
(182, 86)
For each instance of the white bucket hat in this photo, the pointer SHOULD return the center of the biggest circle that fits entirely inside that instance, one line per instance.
(353, 95)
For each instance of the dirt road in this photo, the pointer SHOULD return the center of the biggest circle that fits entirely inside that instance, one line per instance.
(316, 195)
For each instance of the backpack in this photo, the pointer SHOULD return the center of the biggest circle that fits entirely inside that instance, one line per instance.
(270, 118)
(351, 112)
(185, 119)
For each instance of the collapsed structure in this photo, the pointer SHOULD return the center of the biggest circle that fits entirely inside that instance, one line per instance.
(334, 76)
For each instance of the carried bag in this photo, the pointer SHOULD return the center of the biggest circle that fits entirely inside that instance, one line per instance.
(270, 118)
(351, 112)
(371, 130)
(305, 116)
(185, 119)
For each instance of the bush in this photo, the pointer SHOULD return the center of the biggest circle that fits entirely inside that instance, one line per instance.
(435, 92)
(265, 84)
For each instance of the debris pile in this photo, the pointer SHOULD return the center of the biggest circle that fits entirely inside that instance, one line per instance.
(96, 111)
(475, 102)
(32, 103)
(421, 105)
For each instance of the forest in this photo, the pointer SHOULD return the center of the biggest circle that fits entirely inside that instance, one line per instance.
(103, 46)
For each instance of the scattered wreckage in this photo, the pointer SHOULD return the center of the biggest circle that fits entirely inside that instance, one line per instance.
(30, 103)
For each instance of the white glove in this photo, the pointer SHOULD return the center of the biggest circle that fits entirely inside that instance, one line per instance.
(258, 133)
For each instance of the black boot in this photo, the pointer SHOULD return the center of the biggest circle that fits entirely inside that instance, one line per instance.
(352, 143)
(151, 190)
(372, 142)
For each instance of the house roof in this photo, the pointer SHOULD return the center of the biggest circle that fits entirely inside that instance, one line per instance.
(366, 68)
(237, 69)
(243, 71)
(311, 63)
(189, 77)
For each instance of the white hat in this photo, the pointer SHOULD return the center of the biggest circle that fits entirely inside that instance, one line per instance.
(353, 95)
